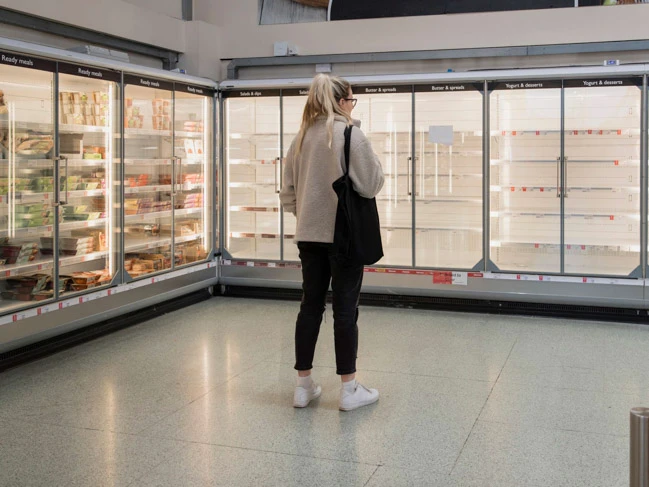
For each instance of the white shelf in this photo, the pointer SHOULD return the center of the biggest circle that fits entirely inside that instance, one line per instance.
(75, 129)
(257, 209)
(46, 264)
(27, 197)
(148, 162)
(135, 133)
(47, 230)
(163, 214)
(252, 162)
(139, 244)
(251, 185)
(189, 135)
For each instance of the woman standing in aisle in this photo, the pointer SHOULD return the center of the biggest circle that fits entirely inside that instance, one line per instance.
(314, 161)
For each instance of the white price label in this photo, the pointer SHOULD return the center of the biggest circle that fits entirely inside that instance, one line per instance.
(460, 278)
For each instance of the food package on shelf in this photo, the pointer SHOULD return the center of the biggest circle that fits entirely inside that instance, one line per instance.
(193, 126)
(189, 201)
(194, 252)
(28, 288)
(137, 182)
(43, 185)
(65, 97)
(13, 252)
(131, 206)
(77, 213)
(192, 178)
(198, 144)
(147, 229)
(161, 122)
(190, 148)
(94, 152)
(100, 97)
(69, 246)
(82, 281)
(98, 236)
(182, 229)
(35, 148)
(160, 206)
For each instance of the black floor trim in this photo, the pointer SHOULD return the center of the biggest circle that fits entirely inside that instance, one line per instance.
(56, 344)
(601, 313)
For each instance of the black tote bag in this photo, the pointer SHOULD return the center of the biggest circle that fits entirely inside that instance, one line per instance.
(357, 235)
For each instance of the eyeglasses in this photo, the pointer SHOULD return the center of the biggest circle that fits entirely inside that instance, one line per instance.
(353, 100)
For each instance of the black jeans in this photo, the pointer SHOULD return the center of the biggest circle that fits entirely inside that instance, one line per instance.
(319, 267)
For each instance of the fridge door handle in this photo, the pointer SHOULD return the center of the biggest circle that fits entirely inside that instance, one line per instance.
(565, 177)
(558, 177)
(181, 183)
(278, 166)
(408, 173)
(58, 202)
(173, 176)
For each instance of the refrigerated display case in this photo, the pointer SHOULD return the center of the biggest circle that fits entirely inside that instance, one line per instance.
(193, 206)
(107, 175)
(525, 168)
(448, 169)
(517, 185)
(601, 176)
(89, 174)
(254, 168)
(149, 168)
(293, 103)
(386, 119)
(28, 199)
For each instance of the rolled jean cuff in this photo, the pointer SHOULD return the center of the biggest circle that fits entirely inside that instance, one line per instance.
(297, 367)
(346, 371)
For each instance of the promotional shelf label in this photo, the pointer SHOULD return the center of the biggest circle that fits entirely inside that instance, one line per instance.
(148, 82)
(89, 72)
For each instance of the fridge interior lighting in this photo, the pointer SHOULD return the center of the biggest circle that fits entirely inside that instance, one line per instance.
(206, 178)
(11, 190)
(110, 179)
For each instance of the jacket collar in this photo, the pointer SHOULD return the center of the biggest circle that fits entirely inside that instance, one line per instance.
(338, 118)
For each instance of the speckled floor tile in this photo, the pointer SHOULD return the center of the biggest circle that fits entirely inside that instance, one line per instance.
(418, 421)
(35, 455)
(517, 455)
(209, 465)
(142, 379)
(585, 411)
(430, 343)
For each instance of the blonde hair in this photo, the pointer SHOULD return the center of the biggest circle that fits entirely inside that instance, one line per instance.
(325, 93)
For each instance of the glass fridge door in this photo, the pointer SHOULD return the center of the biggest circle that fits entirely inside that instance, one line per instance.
(448, 165)
(148, 175)
(252, 154)
(293, 102)
(192, 185)
(525, 178)
(89, 146)
(602, 178)
(27, 198)
(385, 113)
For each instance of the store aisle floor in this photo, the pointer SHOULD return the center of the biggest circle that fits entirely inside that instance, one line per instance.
(203, 396)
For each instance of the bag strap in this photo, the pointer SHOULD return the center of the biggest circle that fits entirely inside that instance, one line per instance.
(348, 144)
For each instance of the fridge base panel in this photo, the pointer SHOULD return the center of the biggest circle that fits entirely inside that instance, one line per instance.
(28, 331)
(629, 294)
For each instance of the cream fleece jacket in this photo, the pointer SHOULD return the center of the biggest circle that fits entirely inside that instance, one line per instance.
(306, 188)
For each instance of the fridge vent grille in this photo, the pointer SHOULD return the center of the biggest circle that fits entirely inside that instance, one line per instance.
(77, 337)
(464, 305)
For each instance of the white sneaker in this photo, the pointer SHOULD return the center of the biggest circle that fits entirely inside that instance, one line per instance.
(304, 395)
(356, 396)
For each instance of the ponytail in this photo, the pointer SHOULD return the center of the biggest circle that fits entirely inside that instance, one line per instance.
(324, 95)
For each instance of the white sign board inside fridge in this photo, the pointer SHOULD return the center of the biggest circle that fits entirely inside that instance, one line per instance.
(440, 134)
